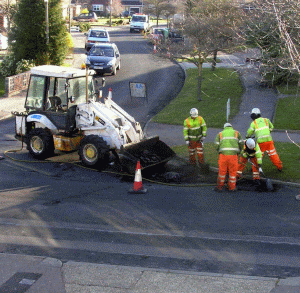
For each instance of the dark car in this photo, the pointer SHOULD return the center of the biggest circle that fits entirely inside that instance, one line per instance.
(175, 36)
(96, 36)
(104, 58)
(91, 16)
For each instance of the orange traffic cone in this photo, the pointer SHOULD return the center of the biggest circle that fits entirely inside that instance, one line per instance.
(109, 93)
(138, 184)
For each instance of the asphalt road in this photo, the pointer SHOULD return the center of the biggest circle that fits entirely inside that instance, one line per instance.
(72, 213)
(163, 78)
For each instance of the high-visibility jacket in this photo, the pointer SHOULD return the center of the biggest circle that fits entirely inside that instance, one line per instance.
(261, 127)
(194, 129)
(229, 141)
(256, 152)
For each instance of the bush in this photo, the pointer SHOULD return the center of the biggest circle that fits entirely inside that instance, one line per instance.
(70, 42)
(8, 66)
(24, 65)
(84, 26)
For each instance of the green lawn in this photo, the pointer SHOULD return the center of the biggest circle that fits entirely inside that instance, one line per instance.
(217, 87)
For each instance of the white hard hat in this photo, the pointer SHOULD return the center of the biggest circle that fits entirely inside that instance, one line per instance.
(227, 125)
(194, 112)
(255, 111)
(250, 143)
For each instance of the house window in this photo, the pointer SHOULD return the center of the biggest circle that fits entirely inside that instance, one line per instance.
(98, 7)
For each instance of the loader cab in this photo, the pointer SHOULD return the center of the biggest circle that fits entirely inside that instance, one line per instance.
(56, 93)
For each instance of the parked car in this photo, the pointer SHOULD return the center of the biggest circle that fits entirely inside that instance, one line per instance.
(175, 36)
(3, 42)
(96, 36)
(104, 58)
(91, 16)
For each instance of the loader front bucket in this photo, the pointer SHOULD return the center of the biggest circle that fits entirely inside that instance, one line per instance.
(150, 152)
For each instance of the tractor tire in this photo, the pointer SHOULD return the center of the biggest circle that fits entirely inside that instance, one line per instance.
(40, 143)
(94, 152)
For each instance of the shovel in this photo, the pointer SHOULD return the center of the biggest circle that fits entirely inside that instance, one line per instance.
(268, 181)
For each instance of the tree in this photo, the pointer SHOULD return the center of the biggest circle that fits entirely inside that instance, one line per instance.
(274, 27)
(155, 7)
(210, 26)
(29, 33)
(8, 9)
(117, 8)
(169, 10)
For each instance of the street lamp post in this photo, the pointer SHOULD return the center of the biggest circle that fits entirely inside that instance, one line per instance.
(110, 13)
(47, 22)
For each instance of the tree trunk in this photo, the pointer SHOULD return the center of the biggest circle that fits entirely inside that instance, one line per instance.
(214, 62)
(199, 81)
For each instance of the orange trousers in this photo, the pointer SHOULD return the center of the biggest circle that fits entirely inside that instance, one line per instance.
(269, 148)
(227, 163)
(242, 164)
(196, 151)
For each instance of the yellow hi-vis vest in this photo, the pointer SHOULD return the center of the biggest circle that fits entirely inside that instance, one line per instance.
(261, 127)
(194, 129)
(229, 141)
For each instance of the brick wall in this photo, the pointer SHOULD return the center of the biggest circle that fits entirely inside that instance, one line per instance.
(16, 83)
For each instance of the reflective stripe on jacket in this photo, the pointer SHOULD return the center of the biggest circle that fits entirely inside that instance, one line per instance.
(261, 127)
(194, 129)
(229, 141)
(256, 153)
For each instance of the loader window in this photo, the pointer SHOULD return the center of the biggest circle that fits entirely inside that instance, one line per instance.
(60, 92)
(77, 89)
(35, 95)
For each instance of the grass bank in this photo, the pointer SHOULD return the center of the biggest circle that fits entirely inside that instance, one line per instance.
(288, 108)
(217, 87)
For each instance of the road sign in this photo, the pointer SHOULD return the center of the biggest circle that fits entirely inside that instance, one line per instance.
(138, 90)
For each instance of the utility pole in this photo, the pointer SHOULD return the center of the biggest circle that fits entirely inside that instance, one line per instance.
(110, 13)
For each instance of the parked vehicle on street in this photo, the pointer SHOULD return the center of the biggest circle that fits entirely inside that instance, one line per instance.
(96, 36)
(104, 58)
(91, 17)
(3, 42)
(175, 36)
(139, 22)
(158, 34)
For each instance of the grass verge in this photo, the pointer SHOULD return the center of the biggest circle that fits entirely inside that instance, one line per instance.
(289, 155)
(217, 87)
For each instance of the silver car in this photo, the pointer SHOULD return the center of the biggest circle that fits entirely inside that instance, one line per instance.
(96, 36)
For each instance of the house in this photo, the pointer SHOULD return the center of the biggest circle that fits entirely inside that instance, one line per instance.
(135, 6)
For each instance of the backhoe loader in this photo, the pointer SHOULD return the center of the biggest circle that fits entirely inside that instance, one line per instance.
(64, 113)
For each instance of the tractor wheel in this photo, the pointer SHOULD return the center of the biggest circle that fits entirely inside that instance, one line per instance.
(94, 152)
(40, 143)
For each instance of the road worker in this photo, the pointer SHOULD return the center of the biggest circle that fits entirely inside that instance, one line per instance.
(194, 132)
(229, 144)
(251, 152)
(261, 128)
